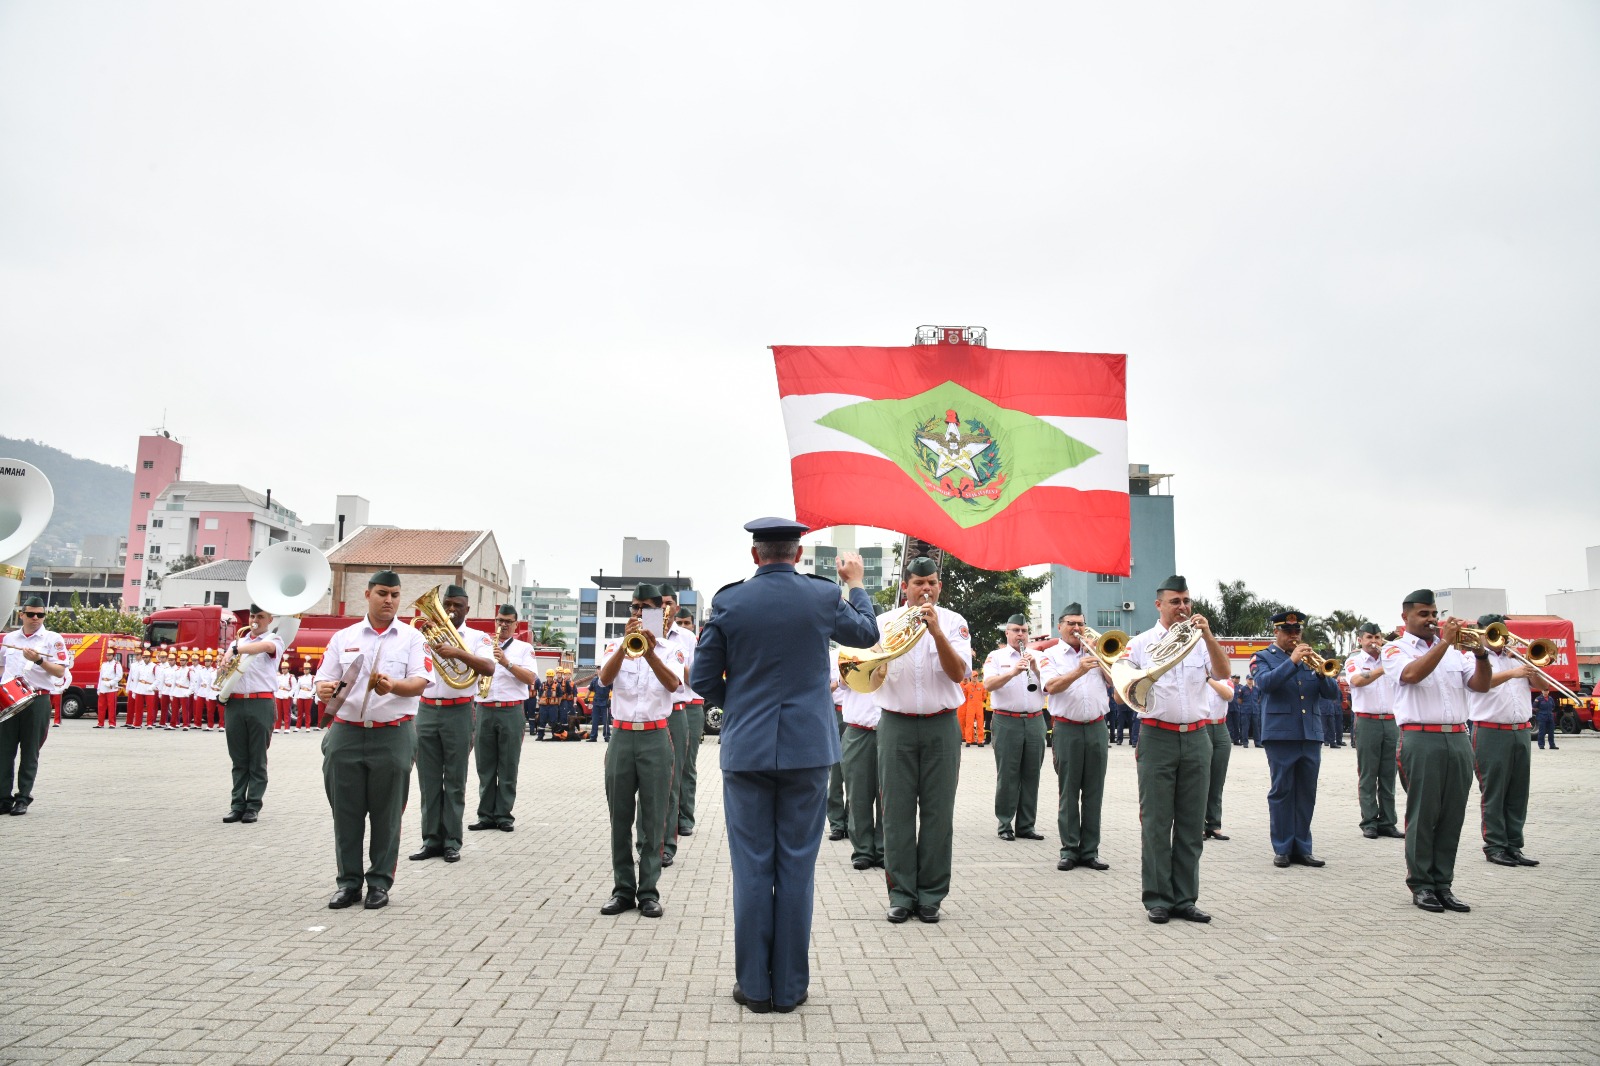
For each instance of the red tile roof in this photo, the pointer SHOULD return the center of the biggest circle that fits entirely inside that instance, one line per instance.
(405, 547)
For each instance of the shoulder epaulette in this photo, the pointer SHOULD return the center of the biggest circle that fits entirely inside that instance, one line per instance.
(819, 577)
(729, 585)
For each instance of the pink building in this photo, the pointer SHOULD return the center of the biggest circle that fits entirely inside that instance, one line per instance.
(159, 464)
(212, 522)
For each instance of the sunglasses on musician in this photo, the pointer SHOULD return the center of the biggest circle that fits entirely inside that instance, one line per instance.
(33, 614)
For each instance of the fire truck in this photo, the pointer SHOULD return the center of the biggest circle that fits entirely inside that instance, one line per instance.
(88, 651)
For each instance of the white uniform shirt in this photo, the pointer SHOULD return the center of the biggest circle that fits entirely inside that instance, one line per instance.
(1012, 696)
(478, 644)
(305, 686)
(398, 653)
(1179, 695)
(182, 681)
(200, 677)
(1085, 699)
(261, 671)
(1377, 695)
(1439, 698)
(285, 689)
(142, 678)
(636, 694)
(1216, 703)
(688, 640)
(1508, 703)
(110, 675)
(505, 687)
(48, 644)
(916, 683)
(164, 678)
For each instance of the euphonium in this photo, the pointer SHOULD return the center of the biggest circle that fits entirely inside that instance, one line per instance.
(860, 667)
(1133, 684)
(434, 623)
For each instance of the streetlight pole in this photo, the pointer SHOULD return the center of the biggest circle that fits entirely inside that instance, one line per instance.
(1470, 569)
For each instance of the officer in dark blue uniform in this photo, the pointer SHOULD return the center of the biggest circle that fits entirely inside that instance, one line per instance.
(1249, 713)
(1291, 730)
(1544, 718)
(763, 658)
(1235, 718)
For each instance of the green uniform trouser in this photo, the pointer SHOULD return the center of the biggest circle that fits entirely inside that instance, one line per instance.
(499, 755)
(859, 765)
(367, 775)
(21, 737)
(444, 740)
(1376, 740)
(1018, 755)
(919, 762)
(1080, 754)
(1504, 758)
(694, 730)
(248, 728)
(638, 778)
(678, 732)
(838, 809)
(1436, 770)
(1221, 751)
(1174, 779)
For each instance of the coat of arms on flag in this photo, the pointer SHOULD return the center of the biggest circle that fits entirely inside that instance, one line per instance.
(1004, 458)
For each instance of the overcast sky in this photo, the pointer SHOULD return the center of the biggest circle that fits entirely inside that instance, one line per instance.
(421, 252)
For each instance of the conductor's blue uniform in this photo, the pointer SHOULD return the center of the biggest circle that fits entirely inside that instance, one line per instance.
(1291, 730)
(763, 658)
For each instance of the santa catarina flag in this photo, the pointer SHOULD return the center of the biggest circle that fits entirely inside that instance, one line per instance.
(1002, 458)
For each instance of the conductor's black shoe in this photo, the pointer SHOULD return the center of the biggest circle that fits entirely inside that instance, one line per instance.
(1029, 834)
(1191, 913)
(428, 852)
(345, 897)
(1523, 860)
(616, 905)
(249, 816)
(1370, 833)
(1427, 899)
(929, 915)
(1391, 831)
(506, 827)
(1094, 864)
(376, 897)
(666, 861)
(1307, 860)
(481, 823)
(1005, 833)
(1157, 915)
(754, 1006)
(1067, 864)
(233, 816)
(1212, 834)
(20, 805)
(650, 908)
(897, 915)
(1280, 861)
(452, 854)
(861, 864)
(837, 834)
(1500, 858)
(1448, 900)
(797, 1003)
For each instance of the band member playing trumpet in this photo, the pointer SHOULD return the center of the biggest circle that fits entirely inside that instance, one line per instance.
(919, 750)
(1431, 685)
(445, 724)
(368, 749)
(39, 658)
(1502, 750)
(1175, 760)
(1373, 733)
(1011, 677)
(1291, 694)
(252, 709)
(677, 723)
(500, 724)
(1075, 684)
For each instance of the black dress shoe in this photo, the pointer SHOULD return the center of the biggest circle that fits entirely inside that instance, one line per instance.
(1280, 861)
(1007, 834)
(1067, 864)
(877, 864)
(482, 823)
(452, 854)
(797, 1003)
(666, 861)
(249, 816)
(1370, 833)
(376, 897)
(1029, 834)
(1212, 834)
(861, 864)
(1307, 860)
(506, 827)
(345, 897)
(1094, 864)
(928, 915)
(896, 915)
(754, 1006)
(1427, 899)
(651, 908)
(685, 832)
(837, 834)
(1191, 913)
(1158, 915)
(1500, 858)
(1450, 903)
(616, 905)
(1523, 860)
(428, 852)
(1391, 831)
(233, 816)
(19, 806)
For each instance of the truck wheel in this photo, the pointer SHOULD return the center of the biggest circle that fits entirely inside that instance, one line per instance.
(1570, 723)
(73, 704)
(713, 721)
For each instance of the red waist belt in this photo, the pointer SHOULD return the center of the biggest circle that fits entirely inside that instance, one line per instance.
(1215, 721)
(1072, 721)
(1497, 725)
(676, 707)
(1183, 727)
(1435, 728)
(697, 703)
(242, 695)
(912, 714)
(659, 723)
(375, 725)
(1381, 717)
(501, 703)
(1020, 714)
(426, 702)
(863, 728)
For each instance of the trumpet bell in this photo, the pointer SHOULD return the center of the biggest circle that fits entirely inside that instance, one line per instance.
(634, 645)
(436, 627)
(1111, 644)
(864, 669)
(1541, 652)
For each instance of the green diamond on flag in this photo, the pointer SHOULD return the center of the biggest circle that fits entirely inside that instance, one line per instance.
(1003, 458)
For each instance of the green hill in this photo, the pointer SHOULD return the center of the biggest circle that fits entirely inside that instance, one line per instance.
(91, 498)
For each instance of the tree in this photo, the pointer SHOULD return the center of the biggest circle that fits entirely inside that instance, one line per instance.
(177, 566)
(94, 620)
(1342, 627)
(550, 637)
(986, 598)
(1237, 611)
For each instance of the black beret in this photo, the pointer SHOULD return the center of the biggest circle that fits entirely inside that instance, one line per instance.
(1490, 619)
(775, 529)
(1071, 608)
(384, 577)
(1175, 583)
(922, 566)
(33, 601)
(255, 609)
(453, 592)
(1370, 628)
(1017, 620)
(646, 591)
(1288, 618)
(1423, 596)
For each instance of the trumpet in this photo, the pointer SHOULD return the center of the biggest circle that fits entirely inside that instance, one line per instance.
(1325, 667)
(635, 644)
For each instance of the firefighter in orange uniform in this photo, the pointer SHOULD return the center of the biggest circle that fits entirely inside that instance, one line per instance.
(971, 713)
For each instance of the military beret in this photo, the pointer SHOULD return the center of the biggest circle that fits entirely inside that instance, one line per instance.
(506, 608)
(255, 609)
(922, 566)
(684, 612)
(775, 529)
(1490, 619)
(1423, 596)
(33, 601)
(453, 592)
(1071, 608)
(1289, 618)
(1175, 583)
(1370, 628)
(1017, 620)
(646, 591)
(384, 577)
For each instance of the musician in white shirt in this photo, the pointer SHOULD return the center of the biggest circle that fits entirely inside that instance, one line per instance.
(38, 658)
(1075, 685)
(500, 732)
(107, 686)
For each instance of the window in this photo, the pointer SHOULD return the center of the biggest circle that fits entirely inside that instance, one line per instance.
(217, 599)
(1107, 579)
(211, 523)
(155, 551)
(586, 610)
(586, 630)
(1108, 619)
(150, 575)
(209, 551)
(149, 464)
(156, 523)
(136, 581)
(138, 556)
(144, 495)
(139, 528)
(615, 629)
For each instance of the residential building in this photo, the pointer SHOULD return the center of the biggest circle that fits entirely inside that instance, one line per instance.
(158, 464)
(423, 558)
(210, 522)
(603, 610)
(1582, 609)
(542, 605)
(1113, 601)
(221, 584)
(94, 586)
(1470, 603)
(823, 559)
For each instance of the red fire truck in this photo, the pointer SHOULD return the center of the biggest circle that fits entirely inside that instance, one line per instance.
(88, 651)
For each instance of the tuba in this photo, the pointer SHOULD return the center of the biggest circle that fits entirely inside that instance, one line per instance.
(1133, 684)
(285, 580)
(434, 623)
(26, 503)
(864, 669)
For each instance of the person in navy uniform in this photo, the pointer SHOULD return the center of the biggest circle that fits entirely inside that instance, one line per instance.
(1291, 730)
(763, 658)
(1544, 718)
(1248, 713)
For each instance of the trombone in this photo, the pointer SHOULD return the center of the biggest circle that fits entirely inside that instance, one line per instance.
(1497, 637)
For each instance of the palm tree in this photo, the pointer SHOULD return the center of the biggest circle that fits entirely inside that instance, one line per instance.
(1343, 626)
(1237, 611)
(550, 637)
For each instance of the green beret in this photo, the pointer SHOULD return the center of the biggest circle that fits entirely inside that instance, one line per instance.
(452, 592)
(1017, 620)
(1175, 583)
(647, 591)
(1370, 628)
(384, 577)
(1423, 596)
(1071, 608)
(922, 566)
(1490, 619)
(684, 612)
(506, 608)
(254, 609)
(33, 601)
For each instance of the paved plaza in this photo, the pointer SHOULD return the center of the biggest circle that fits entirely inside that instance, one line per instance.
(139, 928)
